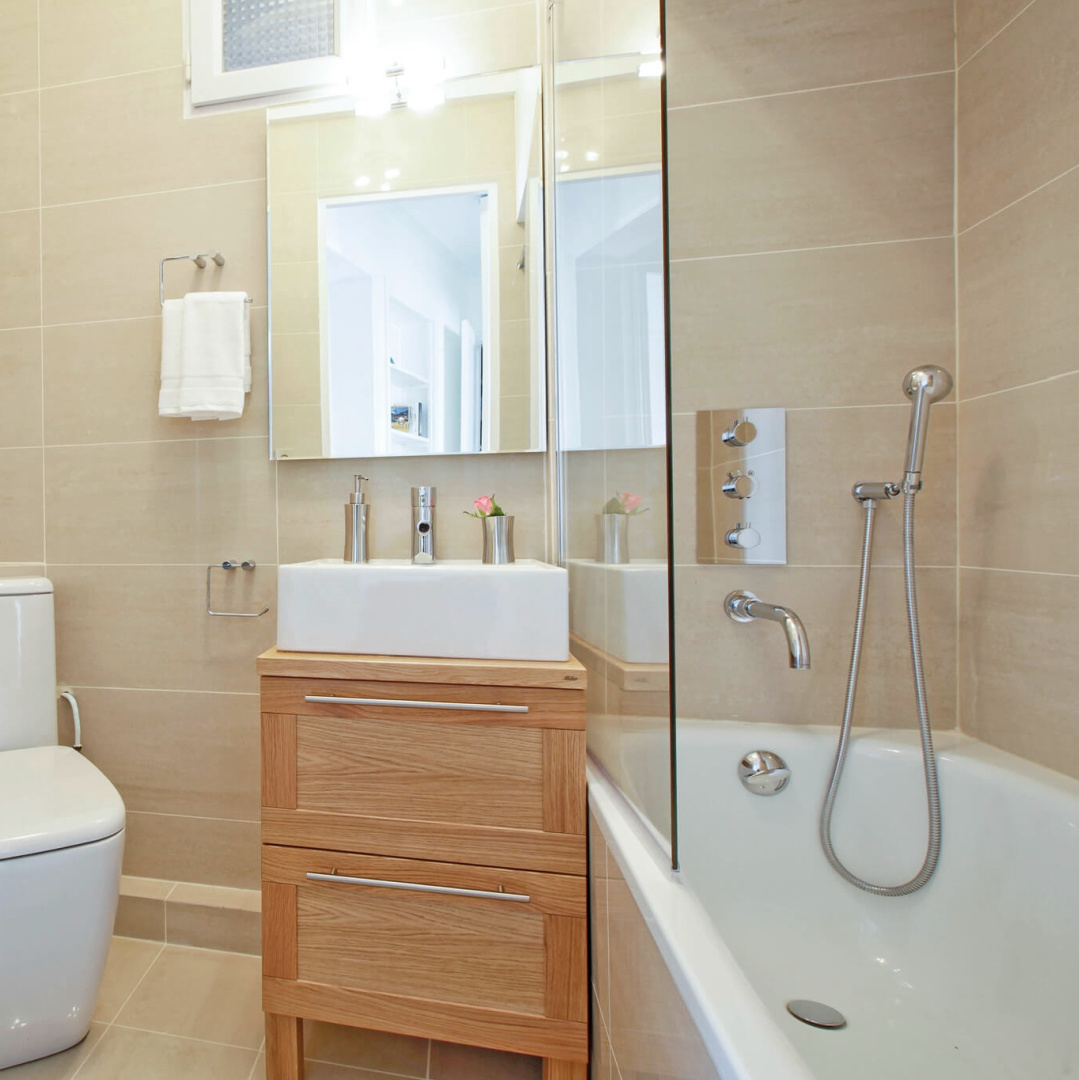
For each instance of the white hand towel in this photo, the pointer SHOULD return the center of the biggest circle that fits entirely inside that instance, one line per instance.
(213, 356)
(168, 400)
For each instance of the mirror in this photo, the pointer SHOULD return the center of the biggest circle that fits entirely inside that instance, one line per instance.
(406, 269)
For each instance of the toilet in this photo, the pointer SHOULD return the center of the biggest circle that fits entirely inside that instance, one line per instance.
(61, 842)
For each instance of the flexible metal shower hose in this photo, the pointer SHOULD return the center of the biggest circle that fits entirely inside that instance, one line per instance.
(932, 789)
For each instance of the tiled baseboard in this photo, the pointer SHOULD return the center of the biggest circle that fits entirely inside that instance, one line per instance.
(180, 913)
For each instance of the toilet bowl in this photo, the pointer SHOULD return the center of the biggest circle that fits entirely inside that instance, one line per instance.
(61, 844)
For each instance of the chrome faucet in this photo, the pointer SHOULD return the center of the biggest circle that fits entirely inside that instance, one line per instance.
(743, 606)
(423, 524)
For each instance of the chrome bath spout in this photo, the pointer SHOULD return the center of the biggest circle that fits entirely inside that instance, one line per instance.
(743, 606)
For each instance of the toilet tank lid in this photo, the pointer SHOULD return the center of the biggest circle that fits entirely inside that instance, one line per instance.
(51, 797)
(24, 586)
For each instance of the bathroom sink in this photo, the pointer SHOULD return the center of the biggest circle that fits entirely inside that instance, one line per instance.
(621, 608)
(452, 608)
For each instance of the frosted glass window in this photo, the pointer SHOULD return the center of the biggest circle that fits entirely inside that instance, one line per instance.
(257, 33)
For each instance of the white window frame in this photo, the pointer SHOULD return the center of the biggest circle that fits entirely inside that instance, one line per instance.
(210, 84)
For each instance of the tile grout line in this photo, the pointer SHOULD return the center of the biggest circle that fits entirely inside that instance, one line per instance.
(957, 604)
(155, 193)
(123, 1004)
(1020, 199)
(41, 287)
(1022, 386)
(810, 90)
(987, 43)
(811, 248)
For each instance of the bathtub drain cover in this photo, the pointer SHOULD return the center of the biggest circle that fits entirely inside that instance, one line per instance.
(816, 1013)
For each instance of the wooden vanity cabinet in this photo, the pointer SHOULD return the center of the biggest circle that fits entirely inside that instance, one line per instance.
(424, 864)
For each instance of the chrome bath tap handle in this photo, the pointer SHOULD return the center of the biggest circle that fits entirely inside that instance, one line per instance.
(744, 606)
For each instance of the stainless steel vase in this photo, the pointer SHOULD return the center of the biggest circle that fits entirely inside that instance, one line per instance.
(498, 539)
(613, 540)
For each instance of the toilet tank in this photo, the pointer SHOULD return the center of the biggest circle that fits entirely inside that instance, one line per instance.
(27, 663)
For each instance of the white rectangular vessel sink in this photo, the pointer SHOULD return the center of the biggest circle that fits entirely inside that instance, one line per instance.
(621, 608)
(452, 608)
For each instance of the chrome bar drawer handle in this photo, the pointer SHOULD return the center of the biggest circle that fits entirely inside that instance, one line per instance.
(409, 886)
(396, 703)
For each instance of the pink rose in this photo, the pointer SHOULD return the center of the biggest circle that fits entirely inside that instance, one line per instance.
(630, 503)
(484, 505)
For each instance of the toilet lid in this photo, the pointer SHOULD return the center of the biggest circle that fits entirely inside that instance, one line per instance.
(51, 797)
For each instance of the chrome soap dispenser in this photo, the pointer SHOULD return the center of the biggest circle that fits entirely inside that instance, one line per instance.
(356, 524)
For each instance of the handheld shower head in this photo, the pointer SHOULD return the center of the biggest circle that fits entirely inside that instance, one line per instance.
(923, 386)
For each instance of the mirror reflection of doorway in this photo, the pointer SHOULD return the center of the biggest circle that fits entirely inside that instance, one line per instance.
(407, 294)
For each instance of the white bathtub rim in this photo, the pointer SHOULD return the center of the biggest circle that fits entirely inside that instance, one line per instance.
(719, 997)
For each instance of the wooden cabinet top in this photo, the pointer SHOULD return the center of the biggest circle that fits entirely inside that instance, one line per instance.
(567, 675)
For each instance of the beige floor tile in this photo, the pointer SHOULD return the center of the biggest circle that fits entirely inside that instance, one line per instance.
(200, 994)
(20, 387)
(21, 506)
(208, 850)
(18, 136)
(744, 48)
(123, 1054)
(856, 164)
(381, 1051)
(449, 1061)
(1018, 112)
(170, 752)
(129, 960)
(95, 39)
(128, 135)
(60, 1066)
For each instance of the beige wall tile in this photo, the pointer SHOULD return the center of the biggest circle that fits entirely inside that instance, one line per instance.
(294, 227)
(312, 494)
(451, 1061)
(295, 298)
(829, 450)
(597, 899)
(839, 326)
(18, 46)
(1018, 678)
(95, 39)
(297, 431)
(20, 387)
(19, 137)
(585, 483)
(1018, 276)
(380, 1051)
(176, 753)
(124, 1052)
(147, 627)
(210, 926)
(140, 917)
(1018, 112)
(137, 232)
(854, 164)
(209, 850)
(599, 1068)
(128, 135)
(97, 373)
(121, 504)
(235, 500)
(977, 21)
(20, 269)
(21, 507)
(292, 155)
(728, 670)
(743, 49)
(1019, 500)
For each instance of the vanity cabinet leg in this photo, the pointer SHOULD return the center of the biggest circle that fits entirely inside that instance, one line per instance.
(284, 1047)
(555, 1069)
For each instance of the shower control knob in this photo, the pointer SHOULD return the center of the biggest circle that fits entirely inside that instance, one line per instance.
(743, 536)
(740, 433)
(739, 485)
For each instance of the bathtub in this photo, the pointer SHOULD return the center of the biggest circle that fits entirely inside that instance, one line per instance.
(975, 977)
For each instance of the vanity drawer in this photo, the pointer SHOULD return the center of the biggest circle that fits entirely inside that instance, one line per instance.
(474, 937)
(440, 773)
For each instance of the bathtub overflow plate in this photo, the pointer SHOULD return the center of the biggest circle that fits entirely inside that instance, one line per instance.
(816, 1013)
